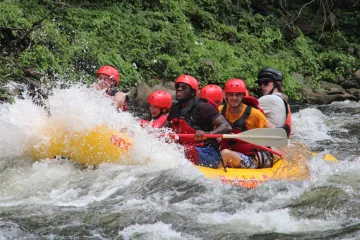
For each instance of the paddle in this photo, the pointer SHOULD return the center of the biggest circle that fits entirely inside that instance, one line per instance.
(275, 137)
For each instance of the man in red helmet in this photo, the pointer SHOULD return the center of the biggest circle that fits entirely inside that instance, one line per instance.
(107, 79)
(194, 115)
(242, 117)
(160, 104)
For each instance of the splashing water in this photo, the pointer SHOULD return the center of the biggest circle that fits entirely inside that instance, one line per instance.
(78, 109)
(156, 193)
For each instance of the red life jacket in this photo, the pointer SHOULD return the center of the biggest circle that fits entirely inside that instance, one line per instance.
(287, 125)
(237, 127)
(252, 101)
(158, 123)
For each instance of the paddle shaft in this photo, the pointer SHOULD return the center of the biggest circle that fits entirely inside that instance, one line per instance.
(192, 136)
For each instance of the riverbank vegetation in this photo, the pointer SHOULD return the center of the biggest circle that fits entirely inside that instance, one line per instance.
(157, 40)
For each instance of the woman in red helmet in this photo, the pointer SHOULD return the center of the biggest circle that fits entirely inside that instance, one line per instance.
(107, 79)
(212, 92)
(160, 104)
(242, 117)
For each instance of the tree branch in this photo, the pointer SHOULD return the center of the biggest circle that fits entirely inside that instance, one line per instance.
(302, 9)
(29, 30)
(62, 4)
(323, 26)
(11, 28)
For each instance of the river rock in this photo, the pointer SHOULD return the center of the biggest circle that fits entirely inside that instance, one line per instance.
(355, 92)
(300, 78)
(357, 76)
(143, 91)
(326, 93)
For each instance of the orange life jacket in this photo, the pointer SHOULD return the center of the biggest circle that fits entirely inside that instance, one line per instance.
(237, 127)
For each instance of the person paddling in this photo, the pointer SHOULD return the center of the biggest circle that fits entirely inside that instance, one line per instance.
(242, 117)
(160, 104)
(108, 78)
(197, 116)
(276, 108)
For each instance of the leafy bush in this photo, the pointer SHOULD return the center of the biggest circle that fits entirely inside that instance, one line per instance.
(154, 40)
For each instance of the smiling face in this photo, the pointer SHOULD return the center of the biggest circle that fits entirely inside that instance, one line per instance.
(182, 91)
(104, 81)
(265, 85)
(155, 111)
(234, 99)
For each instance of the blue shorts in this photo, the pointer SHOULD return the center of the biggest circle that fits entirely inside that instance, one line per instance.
(208, 157)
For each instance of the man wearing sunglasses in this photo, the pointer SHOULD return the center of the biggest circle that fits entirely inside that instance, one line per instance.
(276, 108)
(196, 116)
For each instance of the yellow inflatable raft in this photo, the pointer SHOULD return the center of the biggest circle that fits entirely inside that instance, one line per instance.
(90, 147)
(292, 167)
(103, 145)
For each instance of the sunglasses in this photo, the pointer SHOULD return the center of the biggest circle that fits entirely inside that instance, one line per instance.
(263, 82)
(183, 86)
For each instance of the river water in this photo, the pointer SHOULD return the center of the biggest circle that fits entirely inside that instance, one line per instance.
(157, 194)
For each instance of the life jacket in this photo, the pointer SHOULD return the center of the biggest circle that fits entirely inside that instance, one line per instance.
(287, 125)
(237, 127)
(252, 101)
(157, 123)
(212, 102)
(112, 92)
(183, 120)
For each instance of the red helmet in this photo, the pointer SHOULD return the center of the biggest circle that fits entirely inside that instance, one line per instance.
(212, 91)
(160, 98)
(235, 85)
(188, 80)
(110, 71)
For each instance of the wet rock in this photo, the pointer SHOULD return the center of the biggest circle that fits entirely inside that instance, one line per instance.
(357, 76)
(355, 92)
(340, 80)
(350, 50)
(349, 83)
(300, 78)
(326, 93)
(143, 91)
(331, 88)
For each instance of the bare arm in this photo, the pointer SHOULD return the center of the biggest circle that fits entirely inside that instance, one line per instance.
(119, 100)
(221, 125)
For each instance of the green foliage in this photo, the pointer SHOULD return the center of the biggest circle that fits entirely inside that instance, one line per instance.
(151, 40)
(12, 15)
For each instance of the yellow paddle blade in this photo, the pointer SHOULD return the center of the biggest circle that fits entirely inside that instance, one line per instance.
(327, 157)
